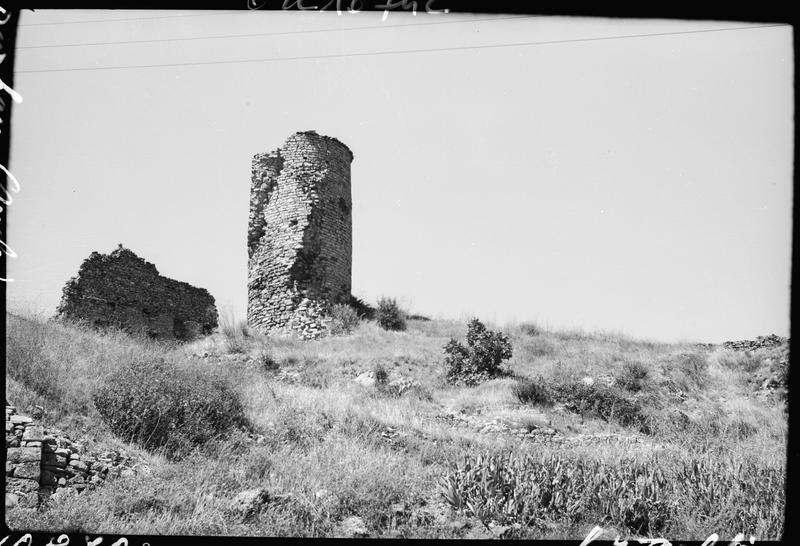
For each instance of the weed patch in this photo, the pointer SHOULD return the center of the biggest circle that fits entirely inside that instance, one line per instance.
(163, 407)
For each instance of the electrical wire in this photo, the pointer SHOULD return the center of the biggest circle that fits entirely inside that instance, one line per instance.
(283, 33)
(399, 52)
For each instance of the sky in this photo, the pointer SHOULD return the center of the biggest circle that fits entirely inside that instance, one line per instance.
(625, 175)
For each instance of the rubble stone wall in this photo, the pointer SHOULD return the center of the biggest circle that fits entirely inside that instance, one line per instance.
(39, 462)
(121, 289)
(300, 235)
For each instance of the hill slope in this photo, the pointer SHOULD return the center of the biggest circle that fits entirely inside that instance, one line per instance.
(642, 438)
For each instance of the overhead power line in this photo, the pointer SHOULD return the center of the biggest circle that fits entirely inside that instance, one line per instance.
(400, 52)
(282, 33)
(133, 19)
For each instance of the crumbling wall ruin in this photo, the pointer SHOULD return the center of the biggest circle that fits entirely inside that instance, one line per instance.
(300, 234)
(41, 462)
(121, 289)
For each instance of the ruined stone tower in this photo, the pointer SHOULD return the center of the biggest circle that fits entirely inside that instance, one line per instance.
(299, 240)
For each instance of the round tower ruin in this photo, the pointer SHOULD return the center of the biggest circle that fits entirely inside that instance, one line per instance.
(299, 239)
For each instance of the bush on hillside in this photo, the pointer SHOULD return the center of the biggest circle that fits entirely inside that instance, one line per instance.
(633, 376)
(163, 407)
(530, 329)
(344, 319)
(389, 315)
(266, 361)
(480, 359)
(600, 401)
(530, 392)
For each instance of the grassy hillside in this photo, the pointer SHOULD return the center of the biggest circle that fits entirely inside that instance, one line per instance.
(642, 438)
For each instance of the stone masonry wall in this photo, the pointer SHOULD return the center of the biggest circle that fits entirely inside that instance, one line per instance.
(40, 463)
(300, 235)
(121, 289)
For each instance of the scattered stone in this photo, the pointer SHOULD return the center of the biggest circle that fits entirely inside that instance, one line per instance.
(321, 494)
(353, 527)
(78, 465)
(63, 493)
(247, 503)
(499, 530)
(366, 379)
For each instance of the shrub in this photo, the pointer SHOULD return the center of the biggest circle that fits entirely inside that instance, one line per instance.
(344, 319)
(531, 392)
(389, 315)
(601, 401)
(530, 329)
(633, 376)
(480, 359)
(161, 406)
(381, 375)
(267, 362)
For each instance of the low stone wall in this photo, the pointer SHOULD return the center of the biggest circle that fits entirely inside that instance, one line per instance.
(761, 342)
(23, 458)
(40, 463)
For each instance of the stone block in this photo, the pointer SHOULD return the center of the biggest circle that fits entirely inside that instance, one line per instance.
(33, 443)
(79, 465)
(23, 454)
(21, 419)
(31, 471)
(12, 500)
(18, 485)
(34, 433)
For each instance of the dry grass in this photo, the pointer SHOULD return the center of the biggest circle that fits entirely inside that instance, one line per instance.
(371, 451)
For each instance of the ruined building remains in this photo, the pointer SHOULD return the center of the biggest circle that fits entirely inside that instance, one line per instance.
(121, 289)
(300, 234)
